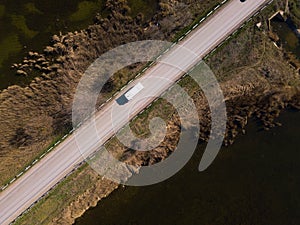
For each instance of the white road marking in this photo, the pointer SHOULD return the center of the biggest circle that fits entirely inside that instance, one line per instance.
(216, 7)
(4, 187)
(155, 100)
(20, 174)
(13, 180)
(209, 13)
(166, 50)
(64, 137)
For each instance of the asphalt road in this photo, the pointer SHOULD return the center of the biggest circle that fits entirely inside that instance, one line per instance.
(57, 164)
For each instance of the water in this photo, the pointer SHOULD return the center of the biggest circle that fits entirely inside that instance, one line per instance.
(289, 39)
(27, 25)
(255, 181)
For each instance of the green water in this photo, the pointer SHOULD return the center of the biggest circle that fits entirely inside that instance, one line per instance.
(255, 181)
(288, 38)
(27, 25)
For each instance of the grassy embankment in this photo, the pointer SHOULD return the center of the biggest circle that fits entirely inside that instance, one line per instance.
(295, 12)
(225, 65)
(18, 157)
(120, 79)
(52, 205)
(16, 164)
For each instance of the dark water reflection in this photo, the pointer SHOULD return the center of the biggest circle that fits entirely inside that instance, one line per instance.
(255, 181)
(287, 35)
(27, 25)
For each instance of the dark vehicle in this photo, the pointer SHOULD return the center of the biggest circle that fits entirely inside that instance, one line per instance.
(130, 94)
(122, 100)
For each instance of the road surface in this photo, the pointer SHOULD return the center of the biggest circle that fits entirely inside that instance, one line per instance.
(57, 164)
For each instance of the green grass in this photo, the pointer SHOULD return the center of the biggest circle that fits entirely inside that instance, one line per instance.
(58, 137)
(295, 11)
(196, 21)
(64, 193)
(60, 197)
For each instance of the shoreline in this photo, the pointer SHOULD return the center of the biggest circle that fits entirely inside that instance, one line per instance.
(238, 181)
(47, 113)
(66, 64)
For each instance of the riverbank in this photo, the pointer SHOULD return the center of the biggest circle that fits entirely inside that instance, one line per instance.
(28, 25)
(284, 32)
(254, 181)
(32, 117)
(259, 83)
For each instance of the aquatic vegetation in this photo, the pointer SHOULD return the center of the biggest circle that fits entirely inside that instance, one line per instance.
(148, 7)
(10, 45)
(294, 6)
(33, 23)
(31, 8)
(85, 10)
(19, 22)
(2, 10)
(292, 40)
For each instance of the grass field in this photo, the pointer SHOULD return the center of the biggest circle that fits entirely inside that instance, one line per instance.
(232, 59)
(83, 187)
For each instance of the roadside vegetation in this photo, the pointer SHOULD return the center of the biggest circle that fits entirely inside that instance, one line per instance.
(250, 68)
(30, 129)
(294, 7)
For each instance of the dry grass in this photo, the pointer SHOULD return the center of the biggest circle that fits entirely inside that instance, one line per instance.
(65, 193)
(262, 55)
(32, 118)
(246, 59)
